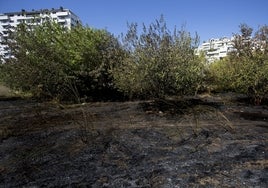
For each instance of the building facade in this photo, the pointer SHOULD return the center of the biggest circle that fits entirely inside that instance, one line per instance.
(215, 49)
(11, 20)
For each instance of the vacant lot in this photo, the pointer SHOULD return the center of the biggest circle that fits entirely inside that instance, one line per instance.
(212, 141)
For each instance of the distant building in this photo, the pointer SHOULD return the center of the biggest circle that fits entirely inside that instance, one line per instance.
(216, 49)
(64, 17)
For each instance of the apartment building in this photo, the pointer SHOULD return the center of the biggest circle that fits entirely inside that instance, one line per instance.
(11, 20)
(216, 49)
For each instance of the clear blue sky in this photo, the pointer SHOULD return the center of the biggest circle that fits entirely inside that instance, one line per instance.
(209, 18)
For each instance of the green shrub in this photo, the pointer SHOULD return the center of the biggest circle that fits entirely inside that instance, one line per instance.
(53, 62)
(246, 69)
(158, 62)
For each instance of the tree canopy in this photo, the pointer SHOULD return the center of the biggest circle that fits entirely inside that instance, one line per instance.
(50, 61)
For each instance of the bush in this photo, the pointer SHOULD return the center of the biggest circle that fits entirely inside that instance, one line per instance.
(53, 62)
(158, 62)
(246, 69)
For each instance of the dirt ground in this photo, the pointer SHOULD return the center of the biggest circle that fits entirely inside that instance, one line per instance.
(206, 141)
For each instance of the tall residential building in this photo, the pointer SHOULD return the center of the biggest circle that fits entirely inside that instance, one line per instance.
(10, 20)
(216, 49)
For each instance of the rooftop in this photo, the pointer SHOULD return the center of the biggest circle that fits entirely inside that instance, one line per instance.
(34, 12)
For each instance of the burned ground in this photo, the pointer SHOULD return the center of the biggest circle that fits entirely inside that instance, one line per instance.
(208, 141)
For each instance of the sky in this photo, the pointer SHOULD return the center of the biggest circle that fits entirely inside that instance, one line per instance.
(209, 18)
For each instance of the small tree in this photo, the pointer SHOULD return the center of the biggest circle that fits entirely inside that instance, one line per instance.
(54, 62)
(158, 62)
(246, 68)
(36, 59)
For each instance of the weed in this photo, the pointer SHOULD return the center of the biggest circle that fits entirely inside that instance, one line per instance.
(86, 126)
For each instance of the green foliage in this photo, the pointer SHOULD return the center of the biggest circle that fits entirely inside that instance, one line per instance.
(51, 61)
(246, 69)
(158, 62)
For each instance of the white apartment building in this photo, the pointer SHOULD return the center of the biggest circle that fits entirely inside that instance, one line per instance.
(11, 20)
(216, 49)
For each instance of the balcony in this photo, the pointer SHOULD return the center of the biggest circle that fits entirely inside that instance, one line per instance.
(4, 23)
(62, 21)
(213, 52)
(5, 35)
(62, 13)
(4, 17)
